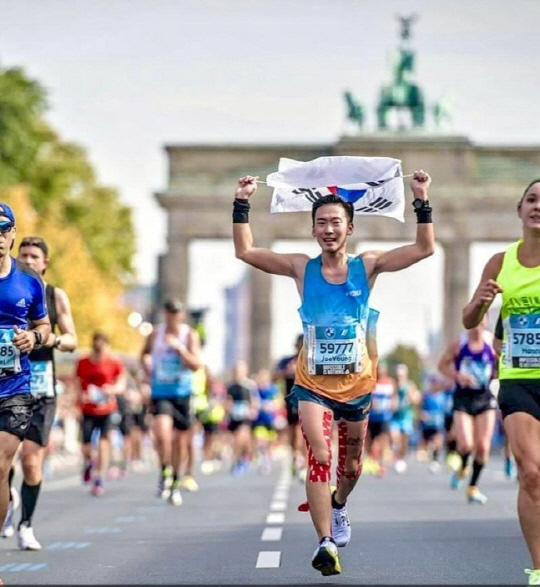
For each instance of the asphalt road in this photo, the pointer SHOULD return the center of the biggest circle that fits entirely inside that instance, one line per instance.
(407, 529)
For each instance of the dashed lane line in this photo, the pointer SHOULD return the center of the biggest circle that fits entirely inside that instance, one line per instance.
(268, 559)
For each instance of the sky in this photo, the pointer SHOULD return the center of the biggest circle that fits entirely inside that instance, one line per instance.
(126, 77)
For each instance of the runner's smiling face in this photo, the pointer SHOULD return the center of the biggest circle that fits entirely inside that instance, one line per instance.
(529, 208)
(331, 227)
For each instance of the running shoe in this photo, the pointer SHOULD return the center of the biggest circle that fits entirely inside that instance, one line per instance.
(176, 497)
(8, 529)
(188, 483)
(534, 576)
(341, 526)
(165, 483)
(26, 538)
(475, 496)
(87, 472)
(456, 480)
(400, 466)
(207, 467)
(326, 559)
(453, 461)
(239, 468)
(97, 489)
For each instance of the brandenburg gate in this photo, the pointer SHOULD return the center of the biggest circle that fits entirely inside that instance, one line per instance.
(475, 190)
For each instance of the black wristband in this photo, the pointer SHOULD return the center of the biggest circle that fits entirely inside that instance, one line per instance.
(423, 215)
(240, 213)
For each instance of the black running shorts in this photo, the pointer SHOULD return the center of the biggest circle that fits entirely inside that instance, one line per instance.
(90, 423)
(42, 420)
(377, 428)
(474, 402)
(179, 409)
(15, 413)
(519, 395)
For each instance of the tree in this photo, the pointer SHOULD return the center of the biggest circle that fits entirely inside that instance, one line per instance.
(409, 356)
(22, 128)
(60, 177)
(63, 180)
(95, 299)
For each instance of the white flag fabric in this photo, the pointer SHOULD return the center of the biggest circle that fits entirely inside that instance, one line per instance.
(374, 185)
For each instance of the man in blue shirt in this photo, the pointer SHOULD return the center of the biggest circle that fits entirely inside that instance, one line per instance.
(24, 324)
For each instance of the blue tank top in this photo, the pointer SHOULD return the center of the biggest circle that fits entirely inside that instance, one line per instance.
(480, 365)
(334, 317)
(170, 377)
(381, 402)
(433, 406)
(22, 299)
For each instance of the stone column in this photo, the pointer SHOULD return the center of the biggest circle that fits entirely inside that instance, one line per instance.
(456, 286)
(260, 317)
(175, 270)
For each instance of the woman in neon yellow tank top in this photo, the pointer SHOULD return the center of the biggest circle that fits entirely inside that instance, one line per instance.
(515, 274)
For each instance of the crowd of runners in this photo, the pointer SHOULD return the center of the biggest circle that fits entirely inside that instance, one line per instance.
(168, 411)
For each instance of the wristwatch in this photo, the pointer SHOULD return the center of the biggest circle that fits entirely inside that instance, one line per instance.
(39, 337)
(418, 203)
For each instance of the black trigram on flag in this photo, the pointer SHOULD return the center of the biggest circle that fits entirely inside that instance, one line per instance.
(376, 206)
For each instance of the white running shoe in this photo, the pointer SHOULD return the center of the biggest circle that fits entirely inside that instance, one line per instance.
(175, 497)
(326, 558)
(26, 538)
(400, 466)
(189, 483)
(207, 467)
(8, 529)
(341, 526)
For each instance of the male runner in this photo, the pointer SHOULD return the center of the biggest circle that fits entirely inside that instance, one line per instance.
(34, 253)
(101, 377)
(170, 356)
(334, 375)
(24, 325)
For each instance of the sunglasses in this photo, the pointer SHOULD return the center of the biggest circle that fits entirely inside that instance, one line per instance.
(6, 226)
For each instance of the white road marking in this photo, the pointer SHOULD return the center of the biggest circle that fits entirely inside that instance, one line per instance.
(271, 559)
(275, 518)
(268, 559)
(271, 534)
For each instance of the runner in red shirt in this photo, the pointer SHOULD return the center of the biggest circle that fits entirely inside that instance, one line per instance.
(101, 377)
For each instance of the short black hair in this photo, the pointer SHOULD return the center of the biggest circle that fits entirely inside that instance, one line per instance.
(332, 199)
(527, 189)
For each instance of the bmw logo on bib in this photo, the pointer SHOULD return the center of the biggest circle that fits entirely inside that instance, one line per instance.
(330, 333)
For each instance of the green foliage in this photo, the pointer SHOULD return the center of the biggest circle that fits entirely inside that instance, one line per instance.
(22, 129)
(61, 179)
(408, 355)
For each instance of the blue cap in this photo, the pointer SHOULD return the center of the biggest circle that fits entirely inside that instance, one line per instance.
(6, 211)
